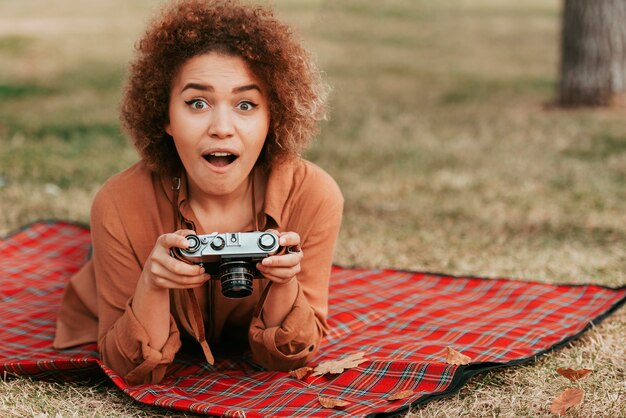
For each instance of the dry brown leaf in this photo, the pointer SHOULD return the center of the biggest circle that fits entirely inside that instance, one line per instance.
(403, 394)
(331, 402)
(568, 398)
(454, 357)
(573, 374)
(300, 373)
(338, 366)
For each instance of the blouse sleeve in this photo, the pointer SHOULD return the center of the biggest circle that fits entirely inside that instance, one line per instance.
(294, 342)
(123, 343)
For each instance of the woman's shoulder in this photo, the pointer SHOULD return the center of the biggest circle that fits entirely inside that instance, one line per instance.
(127, 189)
(304, 198)
(128, 179)
(130, 182)
(302, 184)
(309, 178)
(127, 207)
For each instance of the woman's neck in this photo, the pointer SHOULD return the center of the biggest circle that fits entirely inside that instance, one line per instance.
(220, 202)
(232, 212)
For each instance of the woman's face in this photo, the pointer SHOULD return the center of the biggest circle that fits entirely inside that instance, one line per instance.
(219, 118)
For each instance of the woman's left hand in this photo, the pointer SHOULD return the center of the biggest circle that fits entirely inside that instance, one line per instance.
(281, 269)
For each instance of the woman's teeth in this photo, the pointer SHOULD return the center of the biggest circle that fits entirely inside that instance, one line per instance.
(220, 159)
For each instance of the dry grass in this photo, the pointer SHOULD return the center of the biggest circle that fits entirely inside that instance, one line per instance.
(440, 138)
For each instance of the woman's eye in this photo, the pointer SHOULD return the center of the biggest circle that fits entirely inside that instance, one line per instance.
(246, 106)
(197, 104)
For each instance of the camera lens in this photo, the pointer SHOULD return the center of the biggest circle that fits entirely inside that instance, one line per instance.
(236, 278)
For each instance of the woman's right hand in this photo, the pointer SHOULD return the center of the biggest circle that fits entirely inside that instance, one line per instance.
(163, 271)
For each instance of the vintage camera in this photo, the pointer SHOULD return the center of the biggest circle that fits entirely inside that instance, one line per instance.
(230, 257)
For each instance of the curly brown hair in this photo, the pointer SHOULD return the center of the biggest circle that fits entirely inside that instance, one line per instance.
(189, 28)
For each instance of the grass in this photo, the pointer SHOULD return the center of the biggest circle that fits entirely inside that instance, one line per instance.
(441, 136)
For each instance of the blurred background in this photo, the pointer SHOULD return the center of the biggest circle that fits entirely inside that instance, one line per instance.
(445, 135)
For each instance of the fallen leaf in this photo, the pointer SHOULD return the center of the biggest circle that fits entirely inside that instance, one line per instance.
(331, 402)
(338, 366)
(403, 394)
(300, 373)
(454, 357)
(568, 398)
(573, 374)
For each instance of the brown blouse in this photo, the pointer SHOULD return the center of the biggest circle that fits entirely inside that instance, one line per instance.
(133, 209)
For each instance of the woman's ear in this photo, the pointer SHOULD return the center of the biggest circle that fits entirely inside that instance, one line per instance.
(168, 130)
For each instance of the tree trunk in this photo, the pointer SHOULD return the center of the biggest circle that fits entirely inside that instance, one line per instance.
(593, 52)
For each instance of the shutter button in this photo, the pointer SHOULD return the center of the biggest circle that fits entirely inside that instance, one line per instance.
(267, 242)
(218, 243)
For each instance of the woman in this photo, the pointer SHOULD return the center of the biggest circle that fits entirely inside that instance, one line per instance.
(220, 101)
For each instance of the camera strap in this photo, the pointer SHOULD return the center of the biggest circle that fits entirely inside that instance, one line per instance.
(255, 215)
(184, 300)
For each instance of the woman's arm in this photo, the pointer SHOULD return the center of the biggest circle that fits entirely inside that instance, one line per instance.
(137, 336)
(282, 271)
(162, 272)
(297, 309)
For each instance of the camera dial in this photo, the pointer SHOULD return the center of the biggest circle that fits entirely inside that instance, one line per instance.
(267, 242)
(218, 243)
(194, 243)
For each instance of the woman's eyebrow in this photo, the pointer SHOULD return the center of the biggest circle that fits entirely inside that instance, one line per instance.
(197, 86)
(246, 88)
(207, 87)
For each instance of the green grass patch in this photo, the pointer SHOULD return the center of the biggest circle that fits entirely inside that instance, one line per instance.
(598, 147)
(481, 89)
(92, 76)
(82, 103)
(77, 131)
(88, 77)
(14, 45)
(78, 161)
(16, 91)
(69, 130)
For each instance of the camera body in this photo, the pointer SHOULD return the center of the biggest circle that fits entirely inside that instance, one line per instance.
(230, 257)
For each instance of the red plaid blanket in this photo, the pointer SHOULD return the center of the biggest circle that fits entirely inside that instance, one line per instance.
(402, 320)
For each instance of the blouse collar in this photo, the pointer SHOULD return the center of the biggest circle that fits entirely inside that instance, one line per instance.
(280, 183)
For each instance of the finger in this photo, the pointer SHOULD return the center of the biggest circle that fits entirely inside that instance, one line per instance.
(278, 279)
(280, 272)
(285, 260)
(175, 282)
(180, 268)
(185, 232)
(172, 240)
(165, 258)
(174, 267)
(289, 239)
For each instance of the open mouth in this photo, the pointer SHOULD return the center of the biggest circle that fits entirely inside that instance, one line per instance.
(220, 159)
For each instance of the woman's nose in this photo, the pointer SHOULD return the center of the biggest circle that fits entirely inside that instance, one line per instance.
(221, 124)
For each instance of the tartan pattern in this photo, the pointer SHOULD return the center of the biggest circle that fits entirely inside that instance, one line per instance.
(402, 320)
